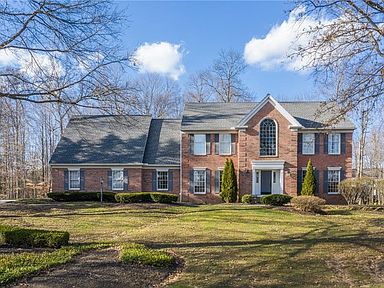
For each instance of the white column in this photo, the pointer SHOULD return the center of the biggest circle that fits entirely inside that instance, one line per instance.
(253, 181)
(281, 181)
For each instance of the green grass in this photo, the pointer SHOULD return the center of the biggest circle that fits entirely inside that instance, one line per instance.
(230, 245)
(139, 253)
(16, 265)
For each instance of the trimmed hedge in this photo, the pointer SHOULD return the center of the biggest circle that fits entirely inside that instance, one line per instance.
(23, 237)
(145, 197)
(247, 199)
(81, 196)
(276, 199)
(139, 253)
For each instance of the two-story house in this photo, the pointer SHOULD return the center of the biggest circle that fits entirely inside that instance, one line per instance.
(270, 143)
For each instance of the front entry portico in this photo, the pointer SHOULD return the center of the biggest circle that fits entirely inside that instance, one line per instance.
(267, 177)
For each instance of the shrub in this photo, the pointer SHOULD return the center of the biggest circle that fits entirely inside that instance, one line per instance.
(247, 199)
(275, 199)
(308, 203)
(309, 183)
(163, 197)
(357, 191)
(22, 237)
(229, 183)
(81, 196)
(135, 197)
(139, 253)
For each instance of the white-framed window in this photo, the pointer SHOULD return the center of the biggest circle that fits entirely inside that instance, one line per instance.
(74, 179)
(334, 143)
(162, 180)
(333, 180)
(199, 144)
(257, 177)
(220, 179)
(199, 181)
(308, 143)
(225, 141)
(117, 179)
(274, 177)
(268, 141)
(304, 172)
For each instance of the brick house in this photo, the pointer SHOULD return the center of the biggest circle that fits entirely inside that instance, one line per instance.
(270, 143)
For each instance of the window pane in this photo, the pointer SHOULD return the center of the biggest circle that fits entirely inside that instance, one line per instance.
(334, 143)
(162, 180)
(117, 179)
(308, 143)
(199, 181)
(221, 180)
(225, 144)
(74, 179)
(333, 181)
(268, 138)
(199, 144)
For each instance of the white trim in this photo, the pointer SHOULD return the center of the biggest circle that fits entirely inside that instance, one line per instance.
(268, 164)
(230, 144)
(181, 170)
(205, 144)
(328, 139)
(274, 103)
(205, 180)
(334, 168)
(314, 143)
(122, 165)
(118, 170)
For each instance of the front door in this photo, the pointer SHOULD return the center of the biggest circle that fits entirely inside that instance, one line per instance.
(266, 182)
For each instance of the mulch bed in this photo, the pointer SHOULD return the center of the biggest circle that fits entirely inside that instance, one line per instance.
(98, 268)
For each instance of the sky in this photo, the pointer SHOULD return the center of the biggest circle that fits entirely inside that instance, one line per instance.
(179, 38)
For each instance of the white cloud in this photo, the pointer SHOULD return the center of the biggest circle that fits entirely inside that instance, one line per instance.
(274, 50)
(162, 58)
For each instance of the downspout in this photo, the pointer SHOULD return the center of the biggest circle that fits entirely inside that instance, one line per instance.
(181, 171)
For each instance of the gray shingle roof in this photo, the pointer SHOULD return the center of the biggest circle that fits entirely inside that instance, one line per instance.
(163, 144)
(224, 116)
(119, 140)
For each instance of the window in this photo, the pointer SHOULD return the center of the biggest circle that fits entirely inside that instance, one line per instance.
(199, 144)
(308, 143)
(274, 177)
(220, 180)
(268, 138)
(117, 180)
(225, 144)
(257, 177)
(334, 143)
(162, 180)
(74, 179)
(333, 181)
(199, 180)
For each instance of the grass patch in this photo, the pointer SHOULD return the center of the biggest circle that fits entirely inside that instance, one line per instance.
(14, 266)
(139, 253)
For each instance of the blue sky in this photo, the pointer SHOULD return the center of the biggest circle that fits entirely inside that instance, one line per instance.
(201, 29)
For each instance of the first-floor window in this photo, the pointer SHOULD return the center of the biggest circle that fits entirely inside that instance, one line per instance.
(220, 180)
(199, 181)
(117, 179)
(74, 179)
(162, 180)
(333, 181)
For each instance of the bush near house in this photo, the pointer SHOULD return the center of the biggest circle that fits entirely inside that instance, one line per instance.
(229, 183)
(308, 203)
(275, 199)
(139, 253)
(309, 184)
(81, 196)
(145, 197)
(22, 237)
(362, 191)
(247, 199)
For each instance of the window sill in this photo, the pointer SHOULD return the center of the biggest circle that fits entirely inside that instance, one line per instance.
(120, 189)
(308, 153)
(199, 193)
(335, 154)
(162, 189)
(333, 193)
(74, 189)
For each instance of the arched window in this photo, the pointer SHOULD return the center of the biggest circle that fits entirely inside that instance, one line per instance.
(267, 137)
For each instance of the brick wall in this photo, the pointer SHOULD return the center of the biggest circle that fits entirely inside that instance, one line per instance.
(138, 179)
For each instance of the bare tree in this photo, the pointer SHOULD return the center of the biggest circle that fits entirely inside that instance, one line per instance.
(223, 78)
(197, 90)
(155, 95)
(73, 41)
(348, 40)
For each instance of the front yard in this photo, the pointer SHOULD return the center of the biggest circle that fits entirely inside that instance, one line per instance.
(229, 245)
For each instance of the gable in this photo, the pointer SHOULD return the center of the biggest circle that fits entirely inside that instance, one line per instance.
(269, 100)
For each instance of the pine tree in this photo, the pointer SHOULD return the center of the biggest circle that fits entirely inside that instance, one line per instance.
(229, 183)
(309, 184)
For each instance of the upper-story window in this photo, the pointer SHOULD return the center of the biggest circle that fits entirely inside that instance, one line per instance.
(308, 143)
(334, 143)
(225, 141)
(199, 144)
(268, 138)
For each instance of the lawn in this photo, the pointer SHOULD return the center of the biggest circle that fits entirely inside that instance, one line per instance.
(230, 245)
